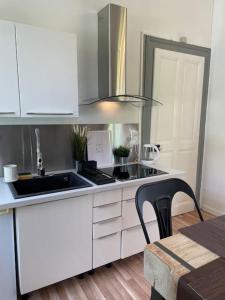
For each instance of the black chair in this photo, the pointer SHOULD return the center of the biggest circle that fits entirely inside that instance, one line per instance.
(160, 194)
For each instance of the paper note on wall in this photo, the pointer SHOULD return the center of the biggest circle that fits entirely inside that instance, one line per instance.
(99, 147)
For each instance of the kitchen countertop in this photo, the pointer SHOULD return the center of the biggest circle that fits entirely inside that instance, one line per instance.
(7, 201)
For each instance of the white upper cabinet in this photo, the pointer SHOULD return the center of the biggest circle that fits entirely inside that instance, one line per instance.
(47, 67)
(9, 93)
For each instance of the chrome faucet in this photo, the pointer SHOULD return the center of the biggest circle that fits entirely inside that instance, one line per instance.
(40, 168)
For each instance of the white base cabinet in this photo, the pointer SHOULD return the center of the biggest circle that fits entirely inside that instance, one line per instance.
(106, 212)
(54, 241)
(130, 216)
(7, 257)
(64, 238)
(119, 237)
(133, 240)
(106, 249)
(107, 227)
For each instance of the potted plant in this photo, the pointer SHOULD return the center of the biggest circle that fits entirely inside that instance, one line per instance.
(79, 144)
(121, 154)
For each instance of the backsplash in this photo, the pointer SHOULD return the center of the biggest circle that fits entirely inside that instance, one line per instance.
(18, 144)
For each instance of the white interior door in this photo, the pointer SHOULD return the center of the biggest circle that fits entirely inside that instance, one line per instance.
(178, 83)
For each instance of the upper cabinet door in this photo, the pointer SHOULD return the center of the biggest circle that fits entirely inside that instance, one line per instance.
(9, 93)
(47, 66)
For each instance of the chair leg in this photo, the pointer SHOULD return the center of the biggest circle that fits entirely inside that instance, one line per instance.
(155, 295)
(24, 297)
(199, 211)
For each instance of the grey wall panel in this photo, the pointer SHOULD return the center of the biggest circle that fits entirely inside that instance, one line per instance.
(18, 144)
(11, 145)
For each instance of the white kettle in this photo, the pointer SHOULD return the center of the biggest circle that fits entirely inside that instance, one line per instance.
(151, 153)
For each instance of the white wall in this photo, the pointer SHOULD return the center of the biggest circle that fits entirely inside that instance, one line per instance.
(213, 185)
(167, 19)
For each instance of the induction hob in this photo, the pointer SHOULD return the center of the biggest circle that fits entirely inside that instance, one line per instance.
(131, 172)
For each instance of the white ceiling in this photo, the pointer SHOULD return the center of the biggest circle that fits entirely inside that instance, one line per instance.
(52, 13)
(169, 19)
(64, 14)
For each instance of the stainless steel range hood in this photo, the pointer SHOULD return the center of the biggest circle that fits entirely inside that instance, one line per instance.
(112, 38)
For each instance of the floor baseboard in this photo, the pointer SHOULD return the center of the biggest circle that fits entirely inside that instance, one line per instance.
(182, 208)
(211, 210)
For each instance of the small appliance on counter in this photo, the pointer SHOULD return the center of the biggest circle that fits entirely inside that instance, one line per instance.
(151, 153)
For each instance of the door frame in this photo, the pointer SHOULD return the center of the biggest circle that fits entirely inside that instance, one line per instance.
(149, 45)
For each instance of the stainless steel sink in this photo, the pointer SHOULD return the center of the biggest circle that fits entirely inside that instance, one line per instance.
(47, 184)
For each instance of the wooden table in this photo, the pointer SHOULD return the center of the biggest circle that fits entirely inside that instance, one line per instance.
(169, 259)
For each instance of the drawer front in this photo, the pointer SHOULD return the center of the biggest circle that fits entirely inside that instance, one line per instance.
(133, 240)
(130, 216)
(106, 249)
(107, 197)
(107, 227)
(105, 212)
(130, 192)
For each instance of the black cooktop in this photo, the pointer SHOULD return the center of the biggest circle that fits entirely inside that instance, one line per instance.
(131, 171)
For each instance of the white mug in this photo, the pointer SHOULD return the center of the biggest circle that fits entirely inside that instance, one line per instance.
(10, 173)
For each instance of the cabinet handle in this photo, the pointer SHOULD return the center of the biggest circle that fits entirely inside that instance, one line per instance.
(7, 113)
(106, 236)
(49, 114)
(139, 225)
(108, 221)
(129, 200)
(108, 205)
(4, 212)
(133, 228)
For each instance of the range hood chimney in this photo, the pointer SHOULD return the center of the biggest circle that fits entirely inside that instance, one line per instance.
(112, 38)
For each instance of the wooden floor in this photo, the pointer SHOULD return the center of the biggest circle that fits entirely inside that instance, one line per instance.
(124, 280)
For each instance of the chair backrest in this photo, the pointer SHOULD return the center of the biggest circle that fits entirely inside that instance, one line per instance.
(160, 194)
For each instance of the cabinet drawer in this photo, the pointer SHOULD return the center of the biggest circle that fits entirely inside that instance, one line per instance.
(107, 197)
(133, 240)
(105, 212)
(130, 216)
(106, 227)
(106, 249)
(129, 192)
